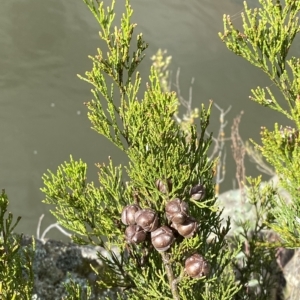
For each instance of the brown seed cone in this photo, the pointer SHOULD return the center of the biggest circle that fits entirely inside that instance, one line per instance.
(196, 266)
(177, 211)
(128, 214)
(135, 234)
(162, 187)
(198, 192)
(147, 219)
(187, 229)
(162, 238)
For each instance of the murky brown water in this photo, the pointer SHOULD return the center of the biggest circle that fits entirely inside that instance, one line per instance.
(44, 44)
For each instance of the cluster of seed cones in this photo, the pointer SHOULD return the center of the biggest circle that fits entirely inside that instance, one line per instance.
(140, 222)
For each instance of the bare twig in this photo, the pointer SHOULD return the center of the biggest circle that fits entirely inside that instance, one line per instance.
(219, 149)
(39, 226)
(238, 151)
(55, 225)
(237, 15)
(186, 103)
(220, 139)
(172, 280)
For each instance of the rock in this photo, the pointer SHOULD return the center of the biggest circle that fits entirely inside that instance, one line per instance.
(56, 263)
(239, 209)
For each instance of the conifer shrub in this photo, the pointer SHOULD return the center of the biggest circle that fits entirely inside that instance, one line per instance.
(265, 40)
(162, 217)
(160, 209)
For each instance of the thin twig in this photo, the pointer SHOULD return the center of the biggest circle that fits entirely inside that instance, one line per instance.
(56, 225)
(220, 139)
(237, 15)
(172, 280)
(219, 149)
(238, 151)
(39, 226)
(187, 104)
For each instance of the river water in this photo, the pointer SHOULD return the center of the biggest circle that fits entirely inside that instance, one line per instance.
(44, 44)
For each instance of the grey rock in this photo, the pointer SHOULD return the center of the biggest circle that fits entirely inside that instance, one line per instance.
(56, 263)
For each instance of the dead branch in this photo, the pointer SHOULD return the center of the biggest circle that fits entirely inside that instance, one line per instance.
(238, 151)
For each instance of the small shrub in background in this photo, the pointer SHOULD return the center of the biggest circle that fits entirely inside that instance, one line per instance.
(265, 40)
(16, 272)
(268, 33)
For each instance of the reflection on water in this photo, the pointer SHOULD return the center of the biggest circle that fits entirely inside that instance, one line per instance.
(44, 44)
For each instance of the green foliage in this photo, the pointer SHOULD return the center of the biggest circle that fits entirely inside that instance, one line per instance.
(120, 66)
(257, 271)
(167, 158)
(161, 64)
(158, 149)
(16, 273)
(269, 32)
(77, 291)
